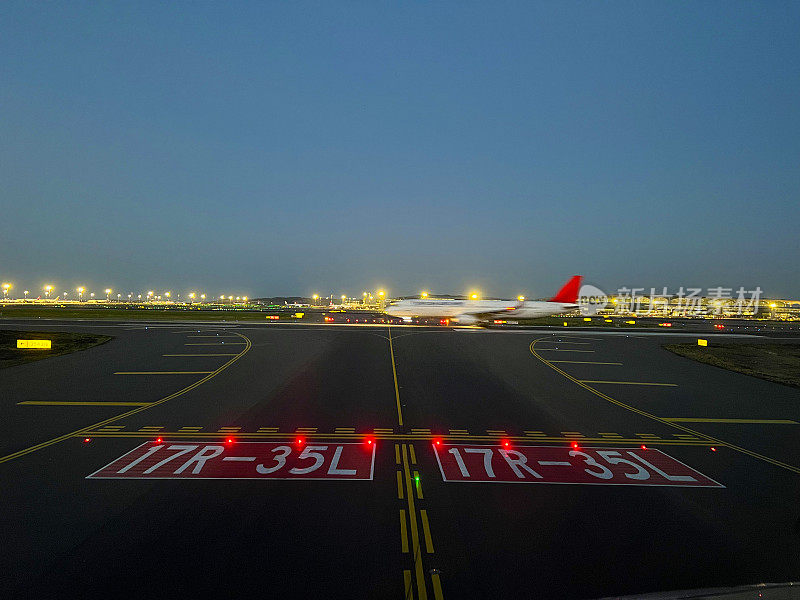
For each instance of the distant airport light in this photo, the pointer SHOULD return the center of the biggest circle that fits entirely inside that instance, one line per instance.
(643, 447)
(87, 440)
(575, 445)
(438, 442)
(300, 441)
(424, 294)
(506, 443)
(370, 441)
(473, 296)
(713, 449)
(159, 440)
(229, 441)
(521, 298)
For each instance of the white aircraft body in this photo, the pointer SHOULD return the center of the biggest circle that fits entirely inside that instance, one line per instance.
(469, 312)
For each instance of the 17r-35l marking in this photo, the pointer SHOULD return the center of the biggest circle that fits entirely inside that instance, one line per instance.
(242, 460)
(552, 464)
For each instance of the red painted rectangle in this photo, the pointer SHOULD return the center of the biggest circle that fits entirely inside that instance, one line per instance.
(554, 464)
(242, 460)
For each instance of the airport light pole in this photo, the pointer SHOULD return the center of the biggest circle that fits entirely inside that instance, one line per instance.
(80, 291)
(47, 289)
(108, 294)
(6, 287)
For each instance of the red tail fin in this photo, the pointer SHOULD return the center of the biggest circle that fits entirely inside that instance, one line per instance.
(569, 293)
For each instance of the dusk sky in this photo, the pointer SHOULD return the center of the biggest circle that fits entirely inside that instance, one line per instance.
(291, 148)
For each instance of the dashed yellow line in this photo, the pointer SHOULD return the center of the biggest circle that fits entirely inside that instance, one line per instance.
(225, 354)
(399, 485)
(403, 532)
(628, 382)
(408, 593)
(163, 372)
(55, 403)
(585, 362)
(743, 421)
(422, 591)
(413, 454)
(426, 531)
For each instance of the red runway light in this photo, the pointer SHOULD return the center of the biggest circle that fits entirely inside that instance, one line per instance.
(300, 441)
(506, 443)
(370, 441)
(159, 440)
(229, 441)
(87, 440)
(437, 442)
(644, 447)
(713, 449)
(574, 444)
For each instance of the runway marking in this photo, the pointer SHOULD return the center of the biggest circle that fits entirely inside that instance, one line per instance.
(426, 531)
(628, 382)
(585, 362)
(214, 344)
(743, 421)
(408, 593)
(229, 429)
(651, 436)
(704, 438)
(573, 434)
(422, 591)
(345, 430)
(399, 485)
(394, 375)
(421, 431)
(267, 430)
(132, 412)
(306, 429)
(151, 428)
(403, 531)
(495, 432)
(65, 403)
(610, 435)
(216, 337)
(397, 454)
(564, 350)
(163, 372)
(535, 433)
(459, 432)
(190, 429)
(225, 354)
(413, 454)
(383, 430)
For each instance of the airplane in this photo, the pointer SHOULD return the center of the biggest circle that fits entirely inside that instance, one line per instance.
(482, 312)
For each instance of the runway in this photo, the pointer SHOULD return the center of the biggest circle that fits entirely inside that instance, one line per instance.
(456, 464)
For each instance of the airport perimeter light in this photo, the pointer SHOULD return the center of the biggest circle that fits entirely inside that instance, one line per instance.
(423, 294)
(6, 287)
(202, 296)
(521, 298)
(473, 296)
(80, 291)
(26, 294)
(315, 297)
(47, 289)
(108, 293)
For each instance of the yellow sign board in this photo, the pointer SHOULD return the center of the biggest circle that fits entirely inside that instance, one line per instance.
(587, 319)
(702, 342)
(34, 344)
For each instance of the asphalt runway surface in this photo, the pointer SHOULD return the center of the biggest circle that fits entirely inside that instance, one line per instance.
(294, 461)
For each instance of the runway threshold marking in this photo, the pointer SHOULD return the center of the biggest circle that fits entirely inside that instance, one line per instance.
(628, 382)
(394, 375)
(643, 413)
(742, 421)
(248, 344)
(564, 350)
(66, 403)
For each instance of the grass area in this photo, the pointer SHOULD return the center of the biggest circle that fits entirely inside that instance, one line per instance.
(774, 362)
(62, 343)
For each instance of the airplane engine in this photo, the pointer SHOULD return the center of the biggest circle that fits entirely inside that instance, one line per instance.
(466, 319)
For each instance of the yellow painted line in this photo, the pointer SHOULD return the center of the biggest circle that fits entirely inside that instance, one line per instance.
(150, 429)
(534, 433)
(706, 439)
(394, 375)
(268, 430)
(628, 382)
(397, 454)
(576, 434)
(409, 593)
(437, 586)
(383, 430)
(585, 362)
(459, 432)
(55, 403)
(185, 429)
(216, 337)
(403, 531)
(306, 429)
(345, 430)
(225, 354)
(754, 421)
(163, 372)
(426, 531)
(138, 409)
(399, 485)
(422, 590)
(610, 435)
(647, 435)
(213, 344)
(421, 431)
(413, 454)
(418, 484)
(564, 350)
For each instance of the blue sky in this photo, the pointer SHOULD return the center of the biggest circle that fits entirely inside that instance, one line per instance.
(292, 148)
